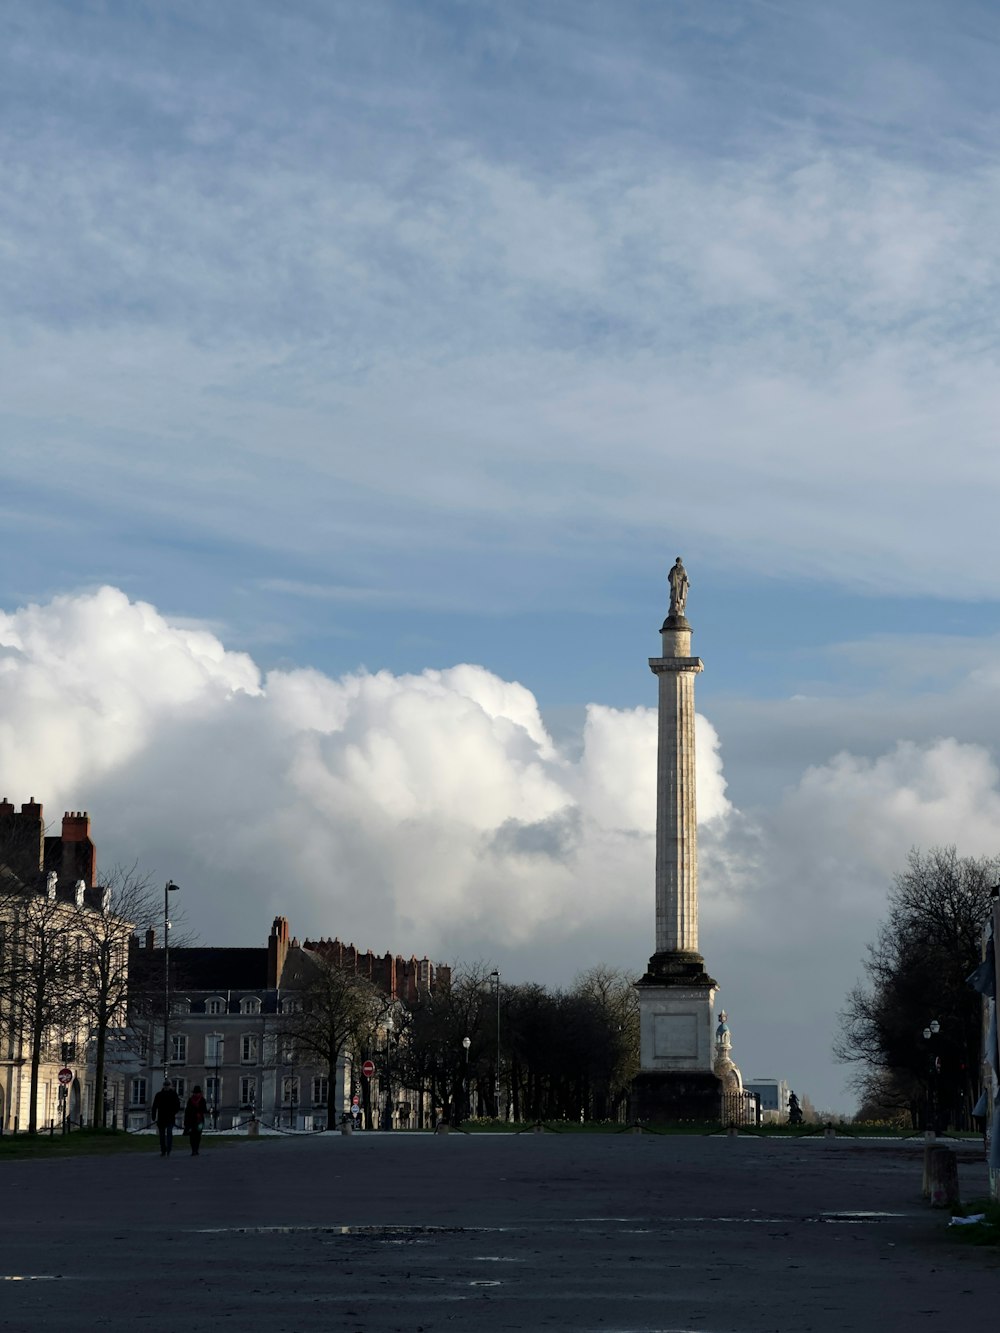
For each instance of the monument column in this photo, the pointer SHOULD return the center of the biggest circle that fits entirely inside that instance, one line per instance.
(676, 811)
(676, 994)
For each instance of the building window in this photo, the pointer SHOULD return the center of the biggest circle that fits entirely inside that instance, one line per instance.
(213, 1091)
(213, 1048)
(248, 1050)
(250, 1004)
(137, 1092)
(248, 1091)
(178, 1049)
(321, 1090)
(286, 1049)
(180, 1087)
(291, 1006)
(180, 1006)
(215, 1006)
(290, 1090)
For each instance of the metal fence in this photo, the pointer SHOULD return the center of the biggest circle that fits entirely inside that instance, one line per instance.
(740, 1109)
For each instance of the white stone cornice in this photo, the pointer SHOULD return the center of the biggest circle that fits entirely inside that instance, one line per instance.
(660, 664)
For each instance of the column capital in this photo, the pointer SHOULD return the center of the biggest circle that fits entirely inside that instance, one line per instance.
(658, 665)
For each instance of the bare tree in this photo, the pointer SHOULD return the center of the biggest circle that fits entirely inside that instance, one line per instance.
(612, 990)
(916, 970)
(327, 1011)
(40, 980)
(433, 1059)
(126, 903)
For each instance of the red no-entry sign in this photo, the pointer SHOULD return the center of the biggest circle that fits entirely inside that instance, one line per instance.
(368, 1069)
(65, 1076)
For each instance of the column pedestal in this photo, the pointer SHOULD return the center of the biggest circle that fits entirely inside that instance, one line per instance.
(676, 1081)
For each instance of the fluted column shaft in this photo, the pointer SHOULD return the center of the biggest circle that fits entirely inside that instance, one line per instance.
(676, 809)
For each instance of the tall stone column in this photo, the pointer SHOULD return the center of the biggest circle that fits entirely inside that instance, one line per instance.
(676, 994)
(676, 809)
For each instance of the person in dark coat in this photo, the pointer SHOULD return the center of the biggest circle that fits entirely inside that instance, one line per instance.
(194, 1118)
(166, 1105)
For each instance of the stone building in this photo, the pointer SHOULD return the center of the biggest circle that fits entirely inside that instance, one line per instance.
(51, 913)
(227, 1030)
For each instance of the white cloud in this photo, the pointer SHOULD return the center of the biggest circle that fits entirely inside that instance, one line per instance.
(410, 810)
(790, 341)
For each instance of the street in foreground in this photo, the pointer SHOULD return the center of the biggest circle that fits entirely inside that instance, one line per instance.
(414, 1232)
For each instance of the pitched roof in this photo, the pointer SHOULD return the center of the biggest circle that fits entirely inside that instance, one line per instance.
(202, 969)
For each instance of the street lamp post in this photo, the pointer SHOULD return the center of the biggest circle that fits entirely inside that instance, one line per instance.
(934, 1065)
(495, 974)
(385, 1077)
(168, 888)
(466, 1043)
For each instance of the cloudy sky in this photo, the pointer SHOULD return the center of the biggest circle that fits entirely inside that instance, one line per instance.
(364, 367)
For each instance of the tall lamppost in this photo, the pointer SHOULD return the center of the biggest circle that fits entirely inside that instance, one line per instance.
(466, 1043)
(168, 888)
(933, 1068)
(495, 974)
(386, 1076)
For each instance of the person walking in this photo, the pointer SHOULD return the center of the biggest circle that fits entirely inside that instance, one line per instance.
(166, 1104)
(194, 1118)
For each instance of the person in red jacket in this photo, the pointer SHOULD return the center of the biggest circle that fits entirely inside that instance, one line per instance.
(194, 1118)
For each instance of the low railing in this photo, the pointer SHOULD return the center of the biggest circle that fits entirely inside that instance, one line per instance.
(740, 1109)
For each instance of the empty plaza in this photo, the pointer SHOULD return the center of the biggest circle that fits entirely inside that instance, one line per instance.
(534, 1231)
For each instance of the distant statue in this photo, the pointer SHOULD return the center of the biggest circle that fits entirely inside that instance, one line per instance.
(723, 1037)
(794, 1110)
(722, 1065)
(679, 584)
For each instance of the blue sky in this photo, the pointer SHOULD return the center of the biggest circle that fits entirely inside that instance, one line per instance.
(401, 336)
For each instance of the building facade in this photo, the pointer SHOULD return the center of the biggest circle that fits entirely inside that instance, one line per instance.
(230, 1011)
(773, 1094)
(52, 917)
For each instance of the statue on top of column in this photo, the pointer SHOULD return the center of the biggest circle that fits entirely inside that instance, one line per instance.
(679, 584)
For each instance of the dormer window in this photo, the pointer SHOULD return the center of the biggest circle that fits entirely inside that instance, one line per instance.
(215, 1005)
(250, 1004)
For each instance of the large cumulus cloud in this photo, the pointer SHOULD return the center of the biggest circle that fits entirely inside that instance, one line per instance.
(409, 812)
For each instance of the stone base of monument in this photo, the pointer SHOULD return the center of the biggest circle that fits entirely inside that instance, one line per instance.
(671, 1096)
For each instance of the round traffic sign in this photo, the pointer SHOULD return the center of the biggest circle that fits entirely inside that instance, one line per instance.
(368, 1068)
(65, 1076)
(355, 1099)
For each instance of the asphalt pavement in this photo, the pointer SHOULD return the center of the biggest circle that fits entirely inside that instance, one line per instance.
(422, 1233)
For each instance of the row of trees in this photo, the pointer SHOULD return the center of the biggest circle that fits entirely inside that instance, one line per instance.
(519, 1050)
(915, 982)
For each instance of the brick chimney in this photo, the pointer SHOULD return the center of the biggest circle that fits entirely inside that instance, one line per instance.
(277, 951)
(22, 839)
(79, 856)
